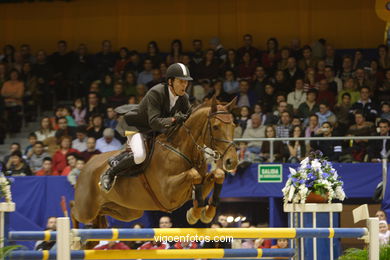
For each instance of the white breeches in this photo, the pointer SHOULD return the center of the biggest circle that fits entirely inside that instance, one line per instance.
(137, 145)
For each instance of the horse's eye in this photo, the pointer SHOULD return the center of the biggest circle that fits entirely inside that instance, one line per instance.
(215, 127)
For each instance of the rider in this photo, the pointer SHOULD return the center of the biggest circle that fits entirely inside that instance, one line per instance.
(164, 105)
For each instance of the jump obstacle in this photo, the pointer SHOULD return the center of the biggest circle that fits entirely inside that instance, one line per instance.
(65, 235)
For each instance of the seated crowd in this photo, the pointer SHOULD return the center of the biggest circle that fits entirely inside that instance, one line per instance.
(282, 92)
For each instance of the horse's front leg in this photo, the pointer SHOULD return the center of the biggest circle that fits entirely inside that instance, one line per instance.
(193, 214)
(208, 213)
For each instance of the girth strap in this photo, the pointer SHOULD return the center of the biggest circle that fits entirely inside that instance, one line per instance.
(185, 157)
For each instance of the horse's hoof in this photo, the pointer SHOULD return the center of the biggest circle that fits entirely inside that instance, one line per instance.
(191, 219)
(203, 215)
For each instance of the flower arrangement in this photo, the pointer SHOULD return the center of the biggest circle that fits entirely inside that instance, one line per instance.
(314, 175)
(5, 187)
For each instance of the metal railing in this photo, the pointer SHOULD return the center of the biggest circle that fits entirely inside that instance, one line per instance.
(340, 138)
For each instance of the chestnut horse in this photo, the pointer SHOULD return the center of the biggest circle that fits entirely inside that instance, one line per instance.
(176, 168)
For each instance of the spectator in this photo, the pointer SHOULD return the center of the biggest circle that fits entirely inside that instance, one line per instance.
(45, 130)
(111, 118)
(259, 81)
(108, 142)
(383, 56)
(280, 82)
(271, 57)
(331, 59)
(281, 243)
(129, 84)
(379, 149)
(247, 67)
(37, 157)
(245, 157)
(217, 244)
(80, 143)
(350, 88)
(45, 74)
(118, 98)
(361, 79)
(346, 71)
(66, 112)
(298, 96)
(105, 59)
(75, 172)
(307, 60)
(273, 119)
(309, 107)
(222, 220)
(135, 244)
(360, 128)
(297, 149)
(358, 60)
(279, 147)
(335, 84)
(146, 75)
(93, 106)
(384, 233)
(13, 147)
(283, 129)
(59, 157)
(197, 53)
(30, 98)
(106, 86)
(342, 113)
(284, 55)
(156, 78)
(258, 111)
(220, 52)
(248, 41)
(325, 95)
(111, 245)
(51, 225)
(154, 245)
(310, 81)
(383, 91)
(121, 62)
(231, 62)
(79, 111)
(71, 159)
(255, 131)
(96, 128)
(365, 105)
(47, 168)
(185, 245)
(13, 92)
(165, 222)
(230, 84)
(16, 166)
(32, 139)
(245, 97)
(176, 52)
(385, 111)
(269, 98)
(91, 149)
(330, 148)
(153, 53)
(209, 67)
(64, 129)
(242, 120)
(381, 215)
(220, 94)
(57, 114)
(325, 115)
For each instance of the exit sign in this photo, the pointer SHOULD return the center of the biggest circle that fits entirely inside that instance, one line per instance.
(270, 173)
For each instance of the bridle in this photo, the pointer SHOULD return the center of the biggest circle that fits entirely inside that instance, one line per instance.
(211, 151)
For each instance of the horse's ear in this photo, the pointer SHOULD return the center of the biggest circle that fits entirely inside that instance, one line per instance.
(214, 104)
(231, 105)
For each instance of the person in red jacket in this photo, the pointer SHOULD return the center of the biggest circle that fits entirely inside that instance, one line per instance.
(154, 245)
(112, 245)
(185, 245)
(59, 157)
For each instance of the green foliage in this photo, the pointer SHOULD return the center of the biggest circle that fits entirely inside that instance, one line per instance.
(5, 251)
(362, 254)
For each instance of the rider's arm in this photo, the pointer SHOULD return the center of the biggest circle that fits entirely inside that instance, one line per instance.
(156, 121)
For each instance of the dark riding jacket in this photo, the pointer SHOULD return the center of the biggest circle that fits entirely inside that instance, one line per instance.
(153, 113)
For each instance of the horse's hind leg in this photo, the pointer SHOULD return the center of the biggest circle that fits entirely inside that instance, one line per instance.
(208, 212)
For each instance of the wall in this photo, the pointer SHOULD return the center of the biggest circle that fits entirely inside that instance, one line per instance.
(346, 23)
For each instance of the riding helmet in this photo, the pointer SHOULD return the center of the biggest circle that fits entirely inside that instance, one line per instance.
(178, 70)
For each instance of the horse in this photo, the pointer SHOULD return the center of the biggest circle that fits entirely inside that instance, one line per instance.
(177, 168)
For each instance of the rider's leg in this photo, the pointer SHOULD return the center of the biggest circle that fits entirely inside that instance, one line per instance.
(137, 145)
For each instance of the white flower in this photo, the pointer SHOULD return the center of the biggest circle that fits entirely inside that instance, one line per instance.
(315, 164)
(292, 171)
(291, 193)
(304, 162)
(340, 194)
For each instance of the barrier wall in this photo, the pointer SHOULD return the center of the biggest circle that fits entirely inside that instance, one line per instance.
(353, 23)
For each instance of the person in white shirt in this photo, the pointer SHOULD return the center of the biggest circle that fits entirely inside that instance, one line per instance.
(108, 142)
(298, 96)
(80, 143)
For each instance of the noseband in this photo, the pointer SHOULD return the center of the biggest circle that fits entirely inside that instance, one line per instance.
(225, 118)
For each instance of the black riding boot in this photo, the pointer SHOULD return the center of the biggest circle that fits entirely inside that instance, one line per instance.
(108, 177)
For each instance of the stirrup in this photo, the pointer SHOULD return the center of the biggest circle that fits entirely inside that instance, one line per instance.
(112, 183)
